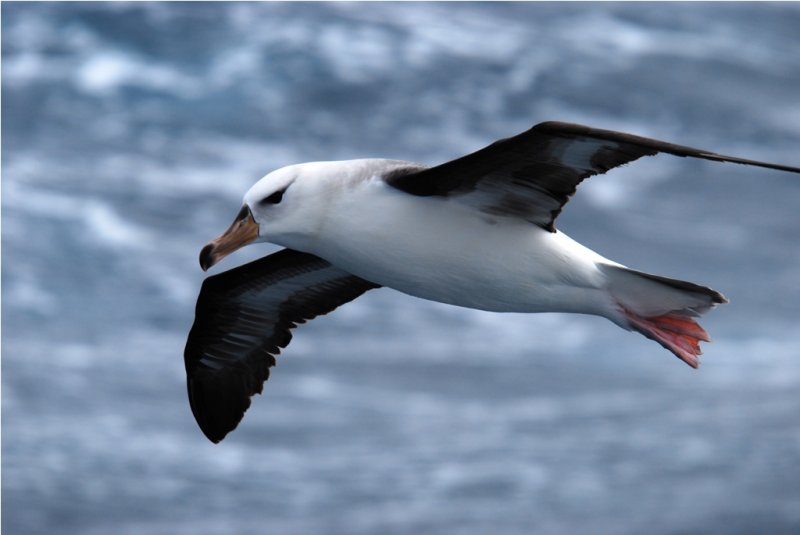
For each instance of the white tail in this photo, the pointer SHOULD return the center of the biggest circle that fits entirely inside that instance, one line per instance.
(662, 309)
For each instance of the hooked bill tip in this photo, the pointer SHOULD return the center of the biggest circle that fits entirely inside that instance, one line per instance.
(207, 257)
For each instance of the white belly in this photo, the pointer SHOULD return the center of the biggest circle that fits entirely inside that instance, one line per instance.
(444, 251)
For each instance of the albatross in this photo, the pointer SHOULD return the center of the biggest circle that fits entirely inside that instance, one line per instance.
(477, 232)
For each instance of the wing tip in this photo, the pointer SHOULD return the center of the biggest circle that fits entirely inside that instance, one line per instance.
(569, 129)
(219, 418)
(216, 438)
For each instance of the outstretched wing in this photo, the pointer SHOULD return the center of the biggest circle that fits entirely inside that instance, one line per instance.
(532, 175)
(243, 318)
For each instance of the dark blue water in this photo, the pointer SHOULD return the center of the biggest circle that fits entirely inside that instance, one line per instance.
(130, 133)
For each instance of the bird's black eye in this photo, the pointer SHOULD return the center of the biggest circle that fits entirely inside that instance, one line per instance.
(275, 198)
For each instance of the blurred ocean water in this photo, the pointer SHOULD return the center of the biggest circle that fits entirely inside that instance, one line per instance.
(130, 131)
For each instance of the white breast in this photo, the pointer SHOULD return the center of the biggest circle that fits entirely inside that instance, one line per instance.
(444, 251)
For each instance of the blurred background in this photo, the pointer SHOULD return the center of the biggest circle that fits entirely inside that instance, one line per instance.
(131, 132)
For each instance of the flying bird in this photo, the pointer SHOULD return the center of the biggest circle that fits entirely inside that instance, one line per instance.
(476, 232)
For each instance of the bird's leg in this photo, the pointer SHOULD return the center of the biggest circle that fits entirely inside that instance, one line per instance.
(677, 332)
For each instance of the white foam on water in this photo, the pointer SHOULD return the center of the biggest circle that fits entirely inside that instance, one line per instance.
(98, 218)
(110, 71)
(27, 293)
(431, 30)
(606, 34)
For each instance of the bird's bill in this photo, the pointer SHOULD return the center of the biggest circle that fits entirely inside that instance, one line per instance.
(244, 230)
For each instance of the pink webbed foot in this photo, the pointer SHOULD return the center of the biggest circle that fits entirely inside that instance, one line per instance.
(679, 333)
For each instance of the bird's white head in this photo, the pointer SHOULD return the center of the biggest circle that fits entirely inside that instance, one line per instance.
(285, 207)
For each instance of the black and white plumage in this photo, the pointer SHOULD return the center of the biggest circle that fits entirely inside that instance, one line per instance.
(244, 317)
(532, 175)
(478, 232)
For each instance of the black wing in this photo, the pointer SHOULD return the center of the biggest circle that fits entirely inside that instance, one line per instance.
(532, 175)
(243, 317)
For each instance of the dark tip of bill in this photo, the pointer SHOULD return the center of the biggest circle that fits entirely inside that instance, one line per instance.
(206, 257)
